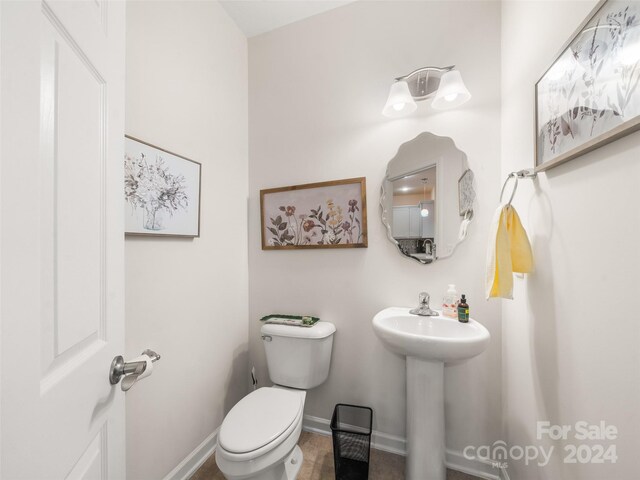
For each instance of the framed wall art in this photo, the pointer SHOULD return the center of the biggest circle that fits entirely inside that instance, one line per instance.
(161, 191)
(466, 193)
(316, 215)
(589, 96)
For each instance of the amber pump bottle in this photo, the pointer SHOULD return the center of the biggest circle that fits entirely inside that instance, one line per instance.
(463, 310)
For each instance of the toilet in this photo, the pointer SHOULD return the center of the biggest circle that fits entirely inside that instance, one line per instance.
(258, 438)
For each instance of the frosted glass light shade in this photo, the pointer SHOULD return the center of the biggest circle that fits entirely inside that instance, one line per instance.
(424, 211)
(451, 92)
(400, 101)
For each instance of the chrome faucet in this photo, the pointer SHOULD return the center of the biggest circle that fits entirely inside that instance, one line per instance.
(432, 247)
(423, 308)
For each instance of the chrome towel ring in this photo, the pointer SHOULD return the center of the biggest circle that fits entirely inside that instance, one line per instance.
(515, 187)
(516, 176)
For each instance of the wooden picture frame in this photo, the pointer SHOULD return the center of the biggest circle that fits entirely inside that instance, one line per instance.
(161, 191)
(589, 96)
(315, 215)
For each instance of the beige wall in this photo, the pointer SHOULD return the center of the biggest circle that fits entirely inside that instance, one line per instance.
(187, 299)
(570, 337)
(316, 90)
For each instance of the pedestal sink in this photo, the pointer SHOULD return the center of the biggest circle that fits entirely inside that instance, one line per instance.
(428, 343)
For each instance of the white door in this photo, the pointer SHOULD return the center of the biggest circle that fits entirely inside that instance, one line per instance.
(61, 250)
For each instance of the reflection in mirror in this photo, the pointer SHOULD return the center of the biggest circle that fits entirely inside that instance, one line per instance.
(413, 214)
(427, 198)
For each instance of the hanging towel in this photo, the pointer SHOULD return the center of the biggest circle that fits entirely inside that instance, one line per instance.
(297, 320)
(509, 251)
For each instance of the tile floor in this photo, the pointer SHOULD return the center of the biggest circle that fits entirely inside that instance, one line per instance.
(318, 463)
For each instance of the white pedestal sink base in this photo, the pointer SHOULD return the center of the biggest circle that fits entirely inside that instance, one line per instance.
(425, 420)
(428, 343)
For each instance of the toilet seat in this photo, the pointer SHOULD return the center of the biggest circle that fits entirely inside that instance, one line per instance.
(260, 422)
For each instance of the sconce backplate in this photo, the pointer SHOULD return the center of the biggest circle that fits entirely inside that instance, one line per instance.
(424, 82)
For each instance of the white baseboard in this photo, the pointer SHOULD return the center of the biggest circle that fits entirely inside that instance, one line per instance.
(478, 467)
(195, 459)
(504, 475)
(391, 443)
(379, 440)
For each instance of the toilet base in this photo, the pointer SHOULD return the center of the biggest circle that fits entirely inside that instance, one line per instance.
(293, 463)
(279, 460)
(287, 469)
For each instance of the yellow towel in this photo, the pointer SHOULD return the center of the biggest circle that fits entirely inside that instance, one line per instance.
(509, 251)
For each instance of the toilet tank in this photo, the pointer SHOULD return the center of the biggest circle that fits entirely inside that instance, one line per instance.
(298, 357)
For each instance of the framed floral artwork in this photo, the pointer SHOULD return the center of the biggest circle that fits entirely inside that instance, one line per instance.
(589, 96)
(161, 191)
(316, 215)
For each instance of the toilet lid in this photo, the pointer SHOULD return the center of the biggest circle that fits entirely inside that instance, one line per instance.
(259, 419)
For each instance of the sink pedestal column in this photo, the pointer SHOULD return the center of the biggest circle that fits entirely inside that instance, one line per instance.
(425, 420)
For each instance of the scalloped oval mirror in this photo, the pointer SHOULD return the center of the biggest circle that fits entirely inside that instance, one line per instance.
(427, 198)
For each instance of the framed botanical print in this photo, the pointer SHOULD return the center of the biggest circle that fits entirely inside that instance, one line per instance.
(161, 191)
(589, 96)
(315, 215)
(466, 193)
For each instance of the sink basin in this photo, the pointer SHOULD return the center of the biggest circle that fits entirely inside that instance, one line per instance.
(438, 338)
(428, 343)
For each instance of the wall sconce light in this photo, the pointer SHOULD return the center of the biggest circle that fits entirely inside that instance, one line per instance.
(443, 84)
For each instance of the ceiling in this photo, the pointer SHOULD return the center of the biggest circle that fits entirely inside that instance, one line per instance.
(412, 184)
(254, 17)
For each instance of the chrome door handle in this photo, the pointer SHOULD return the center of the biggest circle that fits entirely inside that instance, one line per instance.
(120, 368)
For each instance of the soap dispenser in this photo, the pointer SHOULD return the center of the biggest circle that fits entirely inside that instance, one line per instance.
(463, 310)
(450, 302)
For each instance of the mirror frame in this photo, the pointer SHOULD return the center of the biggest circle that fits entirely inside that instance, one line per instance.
(422, 140)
